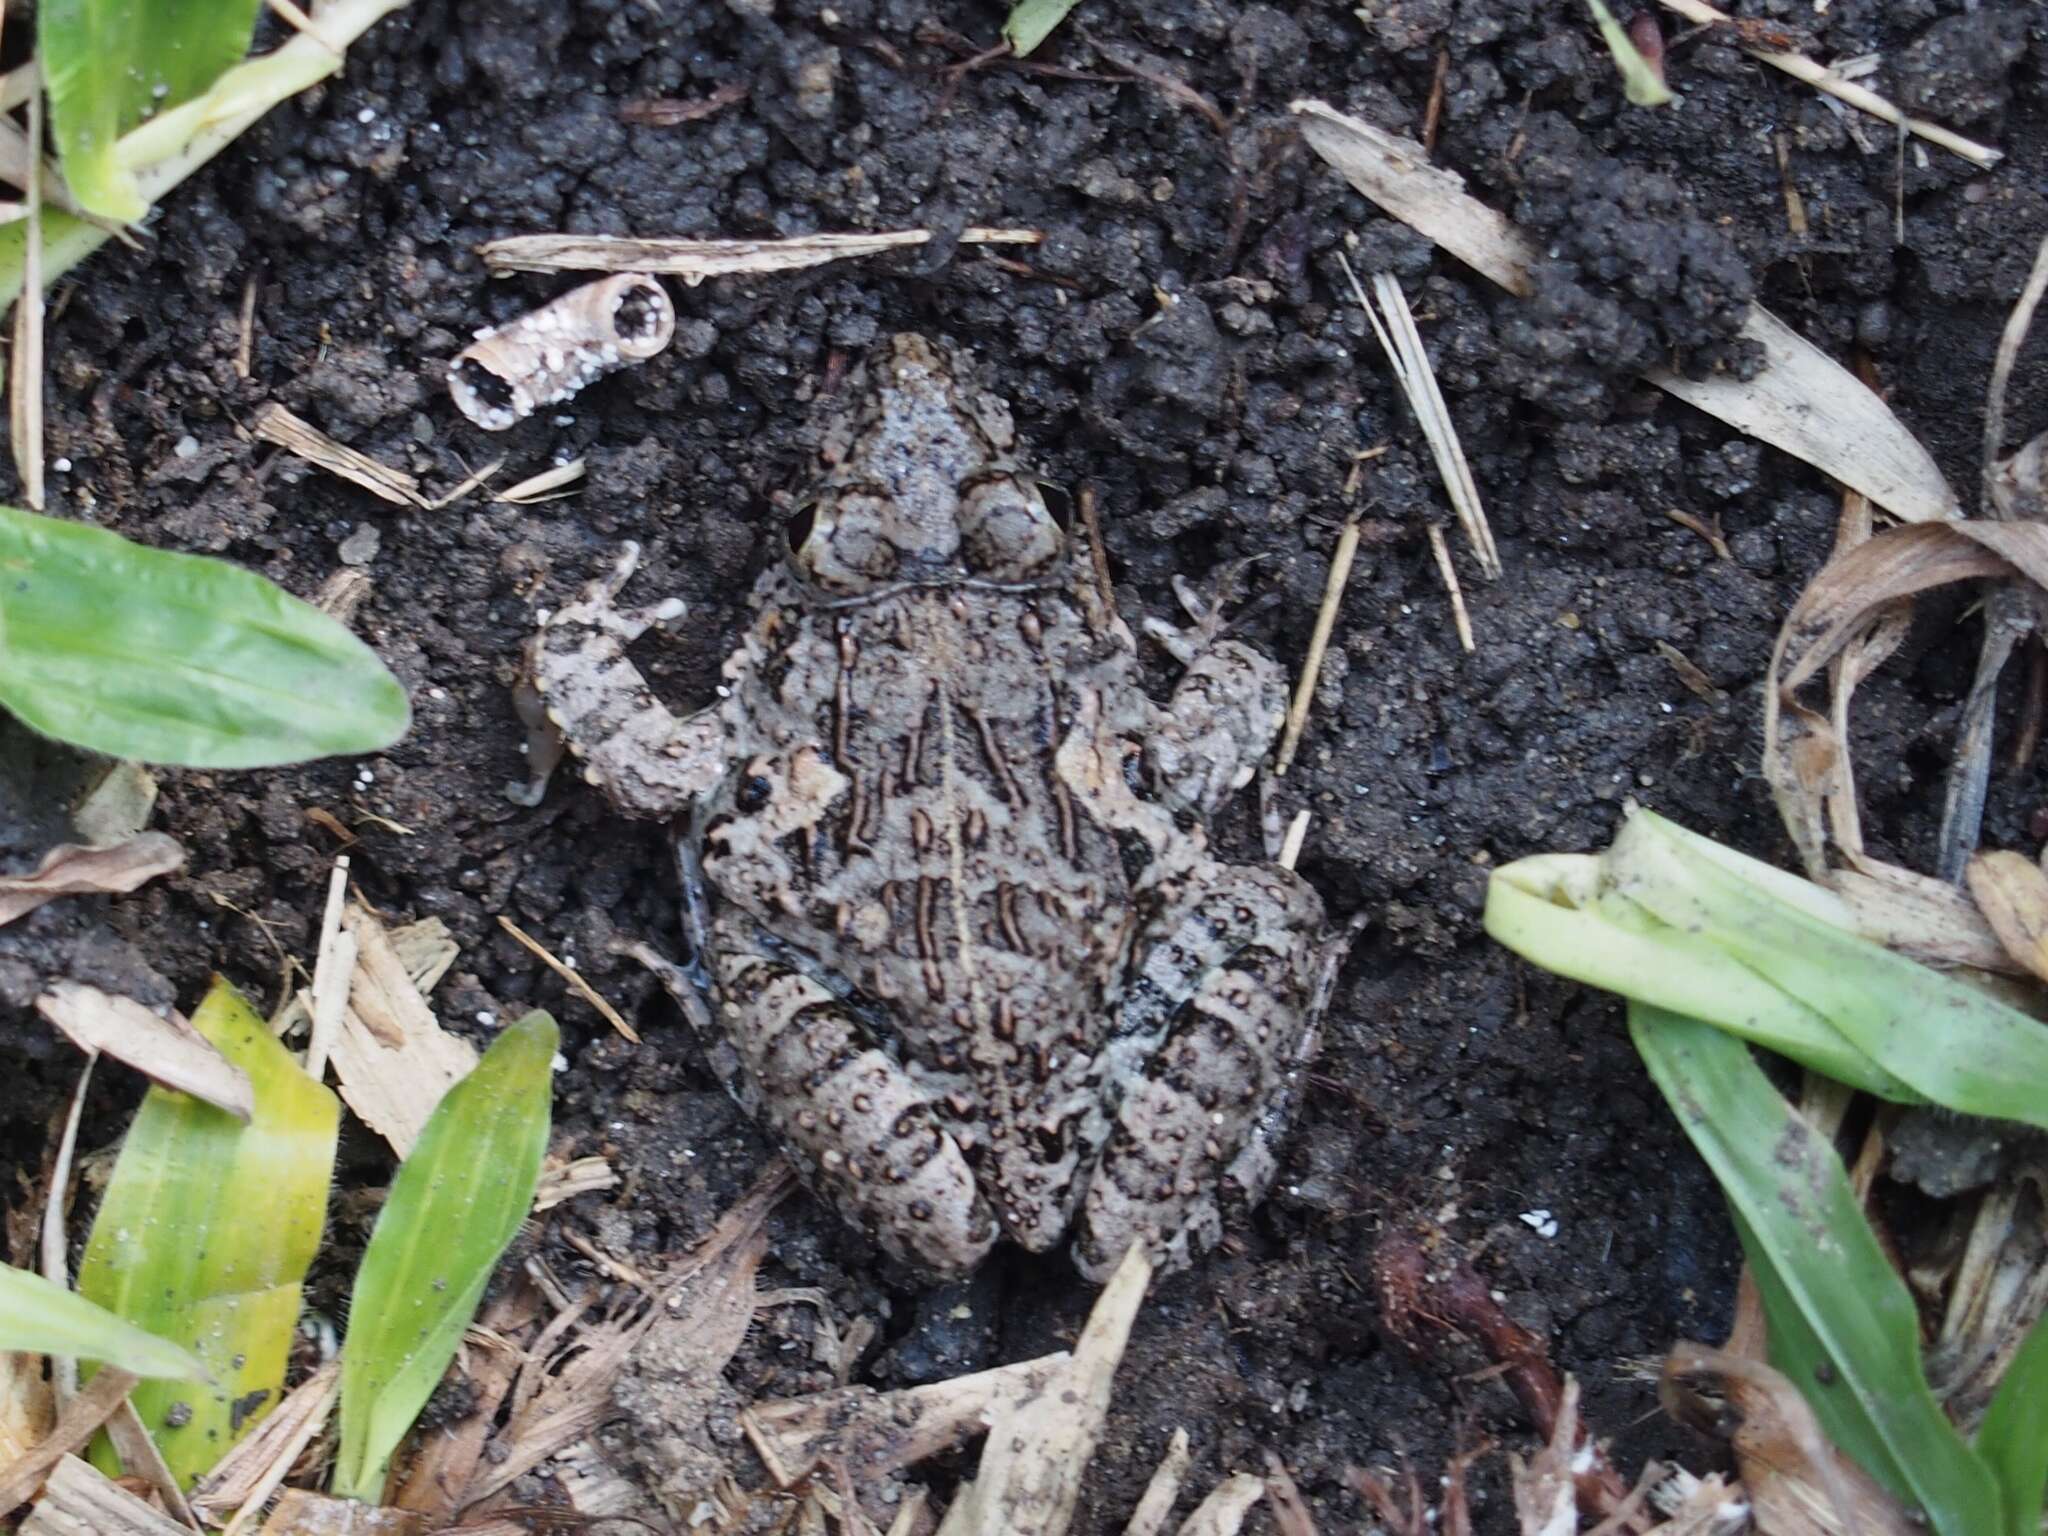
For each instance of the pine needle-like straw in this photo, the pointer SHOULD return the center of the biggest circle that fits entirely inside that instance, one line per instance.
(1394, 324)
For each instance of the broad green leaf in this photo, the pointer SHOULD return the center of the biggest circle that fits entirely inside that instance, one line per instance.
(2014, 1435)
(46, 1319)
(169, 658)
(1842, 1324)
(455, 1205)
(109, 65)
(1032, 21)
(206, 1232)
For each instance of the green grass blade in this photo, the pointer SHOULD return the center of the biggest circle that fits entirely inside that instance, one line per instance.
(206, 1232)
(1641, 82)
(456, 1203)
(1031, 22)
(110, 64)
(168, 658)
(2013, 1438)
(46, 1319)
(1946, 1040)
(1552, 911)
(1843, 1326)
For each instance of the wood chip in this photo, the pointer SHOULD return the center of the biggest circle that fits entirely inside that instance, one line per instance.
(274, 424)
(2012, 893)
(334, 965)
(244, 1479)
(572, 976)
(1156, 1503)
(80, 1500)
(166, 1050)
(1029, 1479)
(1222, 1512)
(1802, 402)
(560, 1182)
(1821, 78)
(77, 1423)
(140, 1458)
(879, 1432)
(72, 869)
(550, 355)
(392, 1059)
(695, 260)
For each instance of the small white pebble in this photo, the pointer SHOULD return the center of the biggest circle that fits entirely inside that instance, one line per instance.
(485, 1017)
(367, 115)
(61, 466)
(1541, 1222)
(436, 693)
(564, 421)
(542, 615)
(188, 447)
(559, 1064)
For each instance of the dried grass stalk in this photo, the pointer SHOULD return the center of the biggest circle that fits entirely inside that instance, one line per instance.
(274, 424)
(553, 353)
(79, 1500)
(695, 260)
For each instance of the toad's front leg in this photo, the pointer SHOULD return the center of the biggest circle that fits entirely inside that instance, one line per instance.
(1225, 711)
(581, 692)
(863, 1134)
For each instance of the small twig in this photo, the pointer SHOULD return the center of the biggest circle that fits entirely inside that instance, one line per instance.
(1433, 111)
(1291, 845)
(1706, 530)
(334, 965)
(667, 112)
(1441, 548)
(1318, 645)
(245, 346)
(274, 424)
(569, 973)
(1795, 205)
(1821, 78)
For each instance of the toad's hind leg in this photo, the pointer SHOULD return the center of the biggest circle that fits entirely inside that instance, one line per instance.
(861, 1132)
(1217, 1020)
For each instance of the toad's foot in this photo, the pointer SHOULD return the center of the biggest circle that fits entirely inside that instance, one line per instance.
(581, 691)
(1225, 711)
(1217, 1020)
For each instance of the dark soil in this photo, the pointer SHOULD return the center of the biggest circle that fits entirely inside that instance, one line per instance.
(1457, 1089)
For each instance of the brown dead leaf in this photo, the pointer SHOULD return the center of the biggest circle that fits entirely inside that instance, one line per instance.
(169, 1051)
(72, 869)
(2012, 893)
(1798, 1483)
(1853, 599)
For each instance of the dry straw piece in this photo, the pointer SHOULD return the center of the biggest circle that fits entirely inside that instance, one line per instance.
(548, 356)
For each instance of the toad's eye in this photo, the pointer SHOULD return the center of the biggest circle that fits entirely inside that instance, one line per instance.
(798, 529)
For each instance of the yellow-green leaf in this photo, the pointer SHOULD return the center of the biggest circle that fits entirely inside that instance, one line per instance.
(207, 1230)
(455, 1205)
(1031, 22)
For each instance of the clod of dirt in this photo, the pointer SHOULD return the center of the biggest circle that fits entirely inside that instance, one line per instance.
(1956, 70)
(1632, 276)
